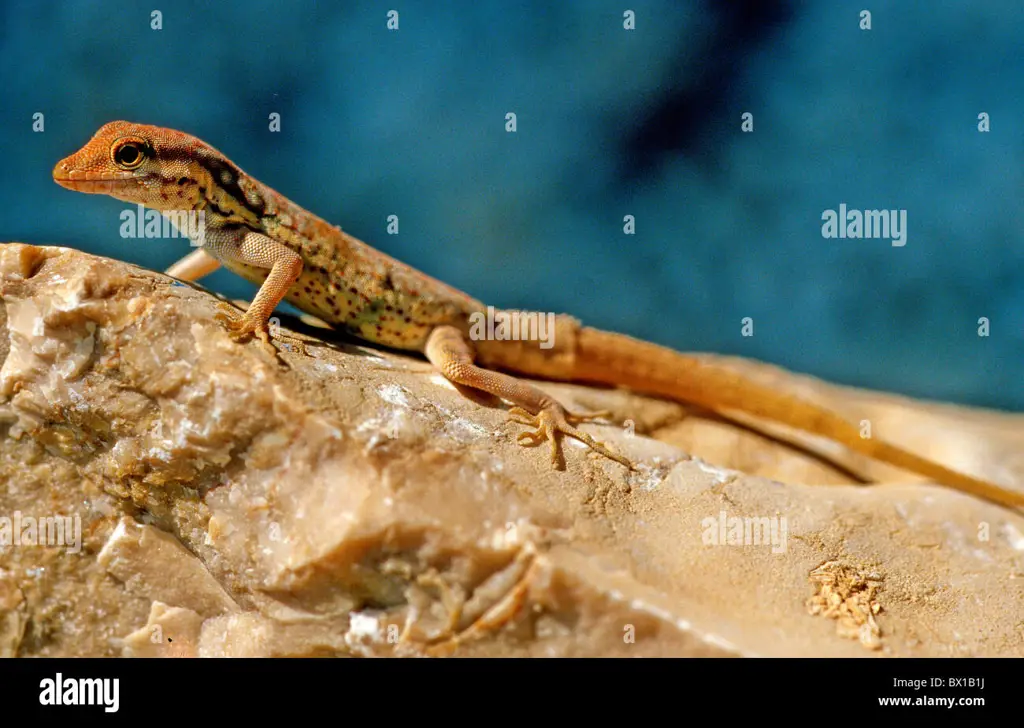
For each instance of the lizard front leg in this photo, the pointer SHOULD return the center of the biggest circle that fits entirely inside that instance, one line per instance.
(448, 350)
(194, 266)
(250, 248)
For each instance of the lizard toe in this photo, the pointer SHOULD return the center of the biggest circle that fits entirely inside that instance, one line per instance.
(551, 423)
(242, 327)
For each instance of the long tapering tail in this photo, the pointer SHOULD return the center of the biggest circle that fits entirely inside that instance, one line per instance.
(608, 358)
(589, 355)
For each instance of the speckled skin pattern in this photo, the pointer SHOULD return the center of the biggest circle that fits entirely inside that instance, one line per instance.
(343, 281)
(296, 256)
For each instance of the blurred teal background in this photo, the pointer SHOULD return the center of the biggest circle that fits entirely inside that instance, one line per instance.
(611, 123)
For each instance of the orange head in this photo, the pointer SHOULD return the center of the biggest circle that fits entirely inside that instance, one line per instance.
(159, 168)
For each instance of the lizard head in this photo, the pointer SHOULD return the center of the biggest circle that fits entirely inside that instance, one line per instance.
(137, 163)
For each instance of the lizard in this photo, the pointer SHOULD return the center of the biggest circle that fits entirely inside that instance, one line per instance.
(295, 256)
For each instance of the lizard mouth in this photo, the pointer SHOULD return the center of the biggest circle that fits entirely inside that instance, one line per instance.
(96, 182)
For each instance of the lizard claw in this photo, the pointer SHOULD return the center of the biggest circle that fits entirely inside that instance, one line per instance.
(554, 421)
(242, 327)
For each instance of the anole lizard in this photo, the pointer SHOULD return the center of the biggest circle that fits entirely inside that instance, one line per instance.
(295, 256)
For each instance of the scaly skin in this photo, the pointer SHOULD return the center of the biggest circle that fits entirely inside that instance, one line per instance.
(295, 256)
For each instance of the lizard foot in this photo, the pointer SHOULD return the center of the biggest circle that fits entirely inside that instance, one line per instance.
(555, 420)
(242, 327)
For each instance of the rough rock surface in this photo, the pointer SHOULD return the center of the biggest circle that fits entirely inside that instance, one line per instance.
(354, 503)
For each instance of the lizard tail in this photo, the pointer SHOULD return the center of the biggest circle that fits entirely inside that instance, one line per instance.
(609, 358)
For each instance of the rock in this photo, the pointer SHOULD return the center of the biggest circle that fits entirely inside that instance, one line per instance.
(155, 565)
(354, 503)
(170, 632)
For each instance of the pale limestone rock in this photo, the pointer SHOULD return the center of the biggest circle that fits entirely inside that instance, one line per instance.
(154, 565)
(353, 503)
(170, 632)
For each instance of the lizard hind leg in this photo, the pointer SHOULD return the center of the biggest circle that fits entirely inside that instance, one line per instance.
(553, 421)
(450, 353)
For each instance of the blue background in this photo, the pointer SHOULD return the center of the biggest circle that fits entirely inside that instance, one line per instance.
(610, 122)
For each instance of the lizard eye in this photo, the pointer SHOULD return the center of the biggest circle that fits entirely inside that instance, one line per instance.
(129, 155)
